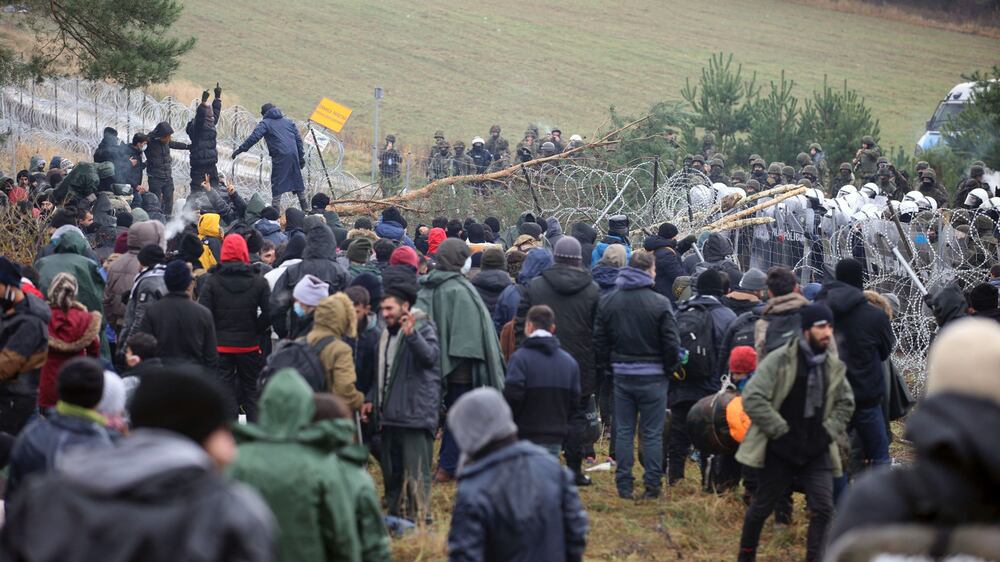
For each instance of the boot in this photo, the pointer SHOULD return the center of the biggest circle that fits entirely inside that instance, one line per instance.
(747, 555)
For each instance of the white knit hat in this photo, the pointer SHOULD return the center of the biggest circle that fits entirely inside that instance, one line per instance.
(310, 290)
(965, 359)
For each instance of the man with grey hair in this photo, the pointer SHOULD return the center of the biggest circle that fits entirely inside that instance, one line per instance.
(514, 500)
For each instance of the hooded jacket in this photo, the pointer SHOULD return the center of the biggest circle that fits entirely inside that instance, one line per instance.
(158, 499)
(463, 324)
(203, 135)
(45, 442)
(210, 233)
(668, 263)
(553, 231)
(767, 391)
(122, 273)
(72, 333)
(606, 277)
(159, 163)
(69, 257)
(335, 317)
(543, 389)
(412, 391)
(238, 299)
(537, 261)
(780, 306)
(490, 283)
(598, 252)
(864, 340)
(271, 231)
(573, 296)
(393, 231)
(635, 324)
(314, 513)
(434, 238)
(284, 145)
(716, 250)
(319, 259)
(953, 481)
(518, 504)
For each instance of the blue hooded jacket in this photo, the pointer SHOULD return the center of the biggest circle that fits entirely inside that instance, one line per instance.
(393, 231)
(537, 261)
(284, 145)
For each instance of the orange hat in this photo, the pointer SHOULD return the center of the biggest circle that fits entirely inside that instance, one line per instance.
(742, 360)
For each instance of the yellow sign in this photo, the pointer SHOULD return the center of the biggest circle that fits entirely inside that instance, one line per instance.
(331, 115)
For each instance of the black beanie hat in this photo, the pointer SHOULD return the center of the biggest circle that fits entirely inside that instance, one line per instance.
(393, 214)
(190, 247)
(177, 277)
(667, 230)
(402, 287)
(181, 400)
(709, 283)
(269, 213)
(363, 223)
(476, 233)
(63, 217)
(493, 223)
(372, 284)
(850, 271)
(983, 297)
(532, 229)
(150, 255)
(265, 108)
(81, 382)
(320, 201)
(123, 219)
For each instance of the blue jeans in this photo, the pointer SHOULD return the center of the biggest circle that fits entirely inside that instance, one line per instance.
(645, 398)
(448, 459)
(870, 425)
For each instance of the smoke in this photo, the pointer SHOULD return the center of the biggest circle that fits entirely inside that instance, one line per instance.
(180, 220)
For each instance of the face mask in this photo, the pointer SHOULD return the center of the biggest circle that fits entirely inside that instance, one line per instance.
(467, 265)
(299, 311)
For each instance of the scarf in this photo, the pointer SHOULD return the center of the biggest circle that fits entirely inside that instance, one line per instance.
(816, 365)
(67, 409)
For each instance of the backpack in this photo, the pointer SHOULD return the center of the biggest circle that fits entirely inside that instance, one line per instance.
(780, 329)
(695, 326)
(740, 332)
(300, 356)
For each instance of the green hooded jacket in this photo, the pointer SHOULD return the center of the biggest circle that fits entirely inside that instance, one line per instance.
(361, 492)
(290, 461)
(767, 390)
(69, 257)
(465, 327)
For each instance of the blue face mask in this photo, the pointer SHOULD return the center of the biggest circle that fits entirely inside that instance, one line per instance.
(299, 311)
(740, 384)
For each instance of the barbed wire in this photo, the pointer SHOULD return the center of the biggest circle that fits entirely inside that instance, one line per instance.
(74, 113)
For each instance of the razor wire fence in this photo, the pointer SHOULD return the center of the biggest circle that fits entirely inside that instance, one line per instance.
(71, 115)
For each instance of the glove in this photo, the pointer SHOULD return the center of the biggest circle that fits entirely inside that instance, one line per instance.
(237, 152)
(302, 163)
(204, 96)
(218, 90)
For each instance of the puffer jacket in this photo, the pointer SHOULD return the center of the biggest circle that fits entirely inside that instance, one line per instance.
(335, 317)
(314, 513)
(393, 231)
(573, 296)
(23, 345)
(412, 390)
(46, 441)
(122, 273)
(517, 504)
(72, 333)
(271, 231)
(238, 299)
(490, 283)
(158, 489)
(159, 163)
(635, 324)
(202, 133)
(864, 340)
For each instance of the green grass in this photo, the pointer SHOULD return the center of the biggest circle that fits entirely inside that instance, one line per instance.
(461, 68)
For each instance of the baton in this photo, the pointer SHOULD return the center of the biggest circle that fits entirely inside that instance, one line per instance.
(906, 264)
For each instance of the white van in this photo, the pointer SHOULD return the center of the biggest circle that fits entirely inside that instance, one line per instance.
(950, 106)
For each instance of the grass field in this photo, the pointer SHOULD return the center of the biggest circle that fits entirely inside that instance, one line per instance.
(461, 67)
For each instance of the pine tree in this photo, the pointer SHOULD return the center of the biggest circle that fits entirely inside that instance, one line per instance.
(126, 41)
(774, 128)
(837, 119)
(722, 101)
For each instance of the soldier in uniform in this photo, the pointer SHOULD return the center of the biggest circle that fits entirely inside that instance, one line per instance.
(788, 174)
(919, 169)
(708, 146)
(975, 181)
(525, 150)
(717, 171)
(802, 160)
(440, 163)
(773, 175)
(698, 163)
(887, 185)
(757, 171)
(738, 179)
(930, 188)
(818, 158)
(810, 173)
(497, 145)
(388, 164)
(555, 137)
(866, 158)
(481, 158)
(436, 145)
(461, 164)
(845, 176)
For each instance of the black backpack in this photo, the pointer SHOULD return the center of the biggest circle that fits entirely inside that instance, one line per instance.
(740, 332)
(300, 356)
(780, 329)
(695, 328)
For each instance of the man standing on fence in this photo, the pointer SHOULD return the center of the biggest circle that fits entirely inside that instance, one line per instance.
(202, 131)
(284, 144)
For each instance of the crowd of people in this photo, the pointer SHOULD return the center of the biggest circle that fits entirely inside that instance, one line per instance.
(217, 389)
